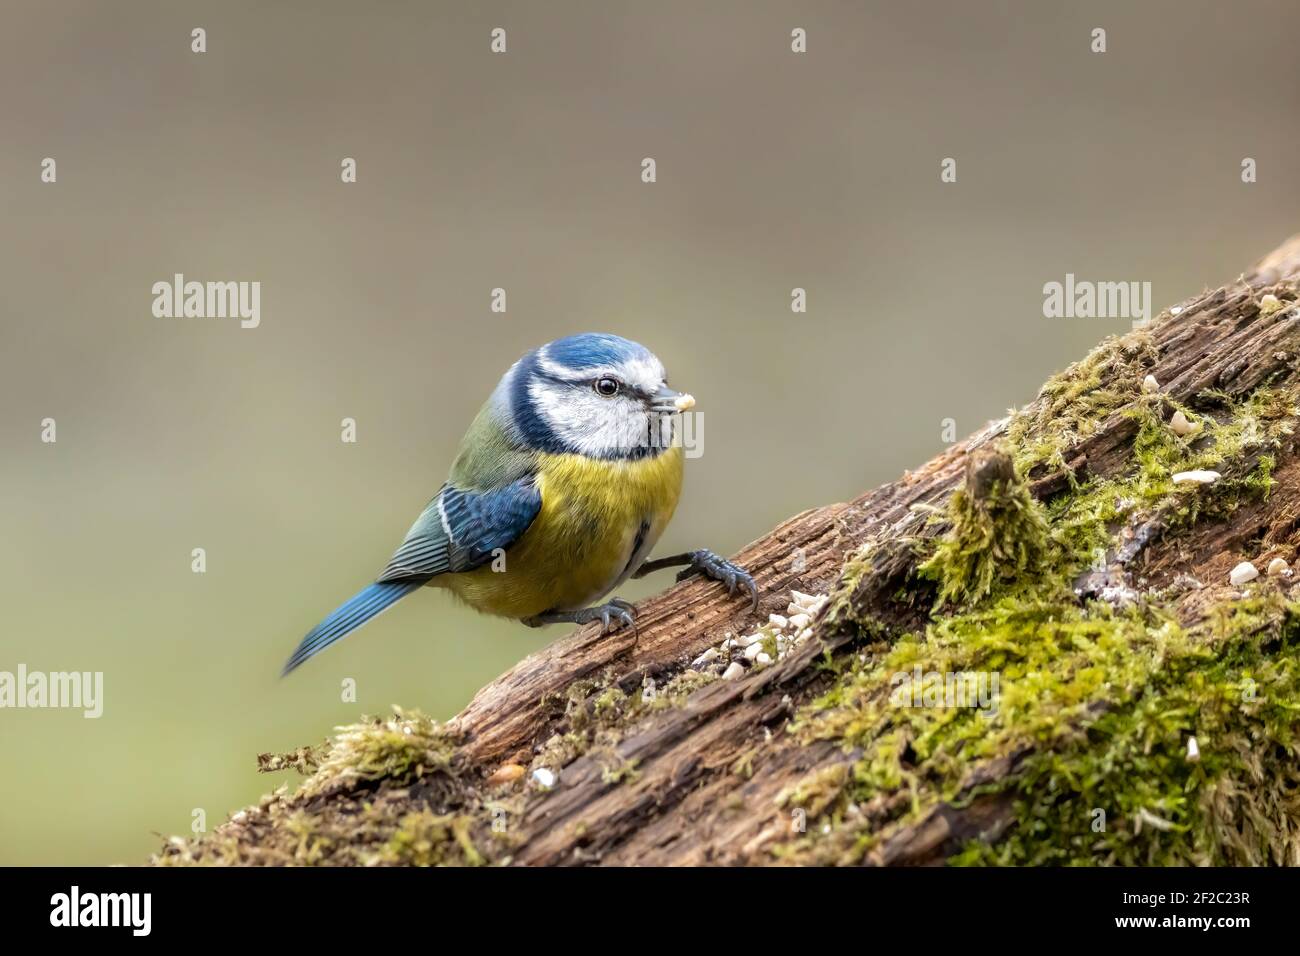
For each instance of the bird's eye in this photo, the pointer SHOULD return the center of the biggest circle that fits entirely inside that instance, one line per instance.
(606, 386)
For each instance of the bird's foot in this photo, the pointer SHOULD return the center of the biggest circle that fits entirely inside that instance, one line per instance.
(719, 568)
(612, 615)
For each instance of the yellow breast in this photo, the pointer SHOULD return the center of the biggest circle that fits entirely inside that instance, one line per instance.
(598, 521)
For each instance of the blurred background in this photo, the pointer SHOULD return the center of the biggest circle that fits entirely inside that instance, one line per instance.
(775, 170)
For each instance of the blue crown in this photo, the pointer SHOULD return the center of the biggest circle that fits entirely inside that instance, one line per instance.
(594, 349)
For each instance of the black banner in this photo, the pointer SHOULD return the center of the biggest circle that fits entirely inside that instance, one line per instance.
(396, 904)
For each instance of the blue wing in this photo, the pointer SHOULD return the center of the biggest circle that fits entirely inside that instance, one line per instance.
(458, 531)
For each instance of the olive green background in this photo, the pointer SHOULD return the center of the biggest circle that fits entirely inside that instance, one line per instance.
(522, 170)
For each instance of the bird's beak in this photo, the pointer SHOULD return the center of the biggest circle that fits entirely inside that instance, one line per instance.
(668, 401)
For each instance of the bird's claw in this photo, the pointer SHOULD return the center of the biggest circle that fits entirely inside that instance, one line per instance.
(720, 569)
(612, 615)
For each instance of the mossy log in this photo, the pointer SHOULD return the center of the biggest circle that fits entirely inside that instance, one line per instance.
(1146, 706)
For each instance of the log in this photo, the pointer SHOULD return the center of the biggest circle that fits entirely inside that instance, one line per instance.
(1139, 688)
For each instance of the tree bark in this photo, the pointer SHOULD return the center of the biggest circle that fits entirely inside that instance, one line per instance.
(702, 781)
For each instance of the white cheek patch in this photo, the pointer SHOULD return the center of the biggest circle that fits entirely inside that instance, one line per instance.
(588, 424)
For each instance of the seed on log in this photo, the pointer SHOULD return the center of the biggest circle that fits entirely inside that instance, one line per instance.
(1243, 572)
(544, 778)
(1198, 477)
(1182, 426)
(506, 773)
(710, 655)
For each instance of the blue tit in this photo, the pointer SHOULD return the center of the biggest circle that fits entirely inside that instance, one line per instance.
(562, 485)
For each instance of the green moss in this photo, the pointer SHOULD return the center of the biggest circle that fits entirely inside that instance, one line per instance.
(305, 760)
(396, 750)
(1095, 704)
(1126, 792)
(429, 839)
(1102, 702)
(383, 792)
(1007, 545)
(998, 535)
(1073, 404)
(1240, 442)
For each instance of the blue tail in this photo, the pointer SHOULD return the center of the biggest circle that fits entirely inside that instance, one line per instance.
(350, 615)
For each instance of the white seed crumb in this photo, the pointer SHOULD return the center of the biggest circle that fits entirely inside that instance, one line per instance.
(803, 635)
(753, 651)
(776, 620)
(1181, 425)
(763, 660)
(1149, 384)
(710, 655)
(1193, 750)
(1242, 573)
(544, 777)
(1269, 304)
(1277, 567)
(1199, 477)
(749, 640)
(799, 621)
(1175, 310)
(733, 671)
(798, 597)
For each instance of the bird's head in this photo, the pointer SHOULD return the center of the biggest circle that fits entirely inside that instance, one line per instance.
(593, 394)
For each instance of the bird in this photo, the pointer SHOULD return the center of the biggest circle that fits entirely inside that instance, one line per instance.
(561, 487)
